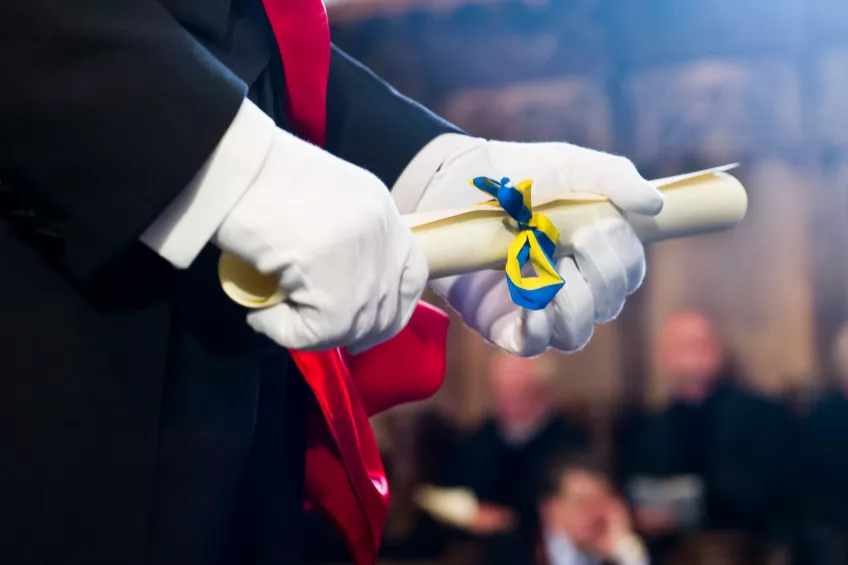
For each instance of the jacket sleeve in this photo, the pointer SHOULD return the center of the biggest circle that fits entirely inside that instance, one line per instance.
(107, 111)
(371, 124)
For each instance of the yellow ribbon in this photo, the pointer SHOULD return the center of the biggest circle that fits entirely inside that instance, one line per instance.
(535, 244)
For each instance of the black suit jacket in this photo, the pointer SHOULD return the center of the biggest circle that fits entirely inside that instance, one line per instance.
(734, 442)
(141, 421)
(509, 475)
(819, 479)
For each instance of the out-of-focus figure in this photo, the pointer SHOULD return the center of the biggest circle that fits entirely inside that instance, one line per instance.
(501, 461)
(489, 489)
(692, 357)
(820, 458)
(714, 457)
(581, 521)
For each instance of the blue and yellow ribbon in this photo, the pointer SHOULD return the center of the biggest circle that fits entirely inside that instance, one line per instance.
(535, 242)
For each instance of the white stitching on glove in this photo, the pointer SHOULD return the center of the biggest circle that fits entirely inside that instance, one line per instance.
(351, 269)
(608, 263)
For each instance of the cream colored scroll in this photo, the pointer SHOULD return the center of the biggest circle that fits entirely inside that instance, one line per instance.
(464, 241)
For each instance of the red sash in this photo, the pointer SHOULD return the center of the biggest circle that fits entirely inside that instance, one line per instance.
(345, 478)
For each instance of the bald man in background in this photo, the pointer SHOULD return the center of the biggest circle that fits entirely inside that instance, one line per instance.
(502, 460)
(713, 458)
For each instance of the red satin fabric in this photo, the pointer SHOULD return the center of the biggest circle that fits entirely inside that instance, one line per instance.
(344, 473)
(345, 478)
(302, 33)
(408, 367)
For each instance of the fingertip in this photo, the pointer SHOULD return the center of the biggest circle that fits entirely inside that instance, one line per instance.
(643, 198)
(610, 314)
(274, 323)
(284, 325)
(654, 199)
(603, 270)
(524, 333)
(375, 338)
(582, 340)
(357, 348)
(537, 327)
(635, 277)
(575, 310)
(529, 349)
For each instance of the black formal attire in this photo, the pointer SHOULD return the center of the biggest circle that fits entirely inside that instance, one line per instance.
(141, 420)
(819, 486)
(733, 442)
(510, 474)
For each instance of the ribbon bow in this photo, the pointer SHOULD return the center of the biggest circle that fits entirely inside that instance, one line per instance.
(535, 242)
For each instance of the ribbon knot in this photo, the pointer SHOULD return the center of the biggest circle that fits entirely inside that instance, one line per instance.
(535, 243)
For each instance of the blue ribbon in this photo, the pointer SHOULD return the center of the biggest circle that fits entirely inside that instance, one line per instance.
(535, 243)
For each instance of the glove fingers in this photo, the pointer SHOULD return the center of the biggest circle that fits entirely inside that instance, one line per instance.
(412, 283)
(523, 332)
(574, 310)
(373, 340)
(603, 270)
(624, 244)
(495, 304)
(611, 176)
(480, 298)
(629, 250)
(483, 301)
(469, 292)
(285, 326)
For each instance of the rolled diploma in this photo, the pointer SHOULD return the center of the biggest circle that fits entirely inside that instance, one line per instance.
(463, 241)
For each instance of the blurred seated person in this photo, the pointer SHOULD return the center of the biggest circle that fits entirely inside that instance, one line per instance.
(821, 466)
(724, 548)
(500, 462)
(581, 519)
(712, 459)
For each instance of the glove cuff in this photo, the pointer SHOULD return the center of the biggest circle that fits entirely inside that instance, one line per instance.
(415, 178)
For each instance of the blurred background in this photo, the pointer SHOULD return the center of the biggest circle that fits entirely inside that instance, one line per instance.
(716, 404)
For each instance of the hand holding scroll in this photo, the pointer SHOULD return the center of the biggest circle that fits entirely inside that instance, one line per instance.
(608, 260)
(353, 271)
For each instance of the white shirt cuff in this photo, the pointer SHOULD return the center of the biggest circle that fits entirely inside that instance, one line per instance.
(191, 220)
(413, 181)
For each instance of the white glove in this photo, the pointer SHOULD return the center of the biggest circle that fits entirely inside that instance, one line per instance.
(608, 263)
(350, 268)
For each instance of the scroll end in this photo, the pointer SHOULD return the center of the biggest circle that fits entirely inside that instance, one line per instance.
(246, 286)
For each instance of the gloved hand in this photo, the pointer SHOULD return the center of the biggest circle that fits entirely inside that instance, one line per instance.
(350, 268)
(608, 263)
